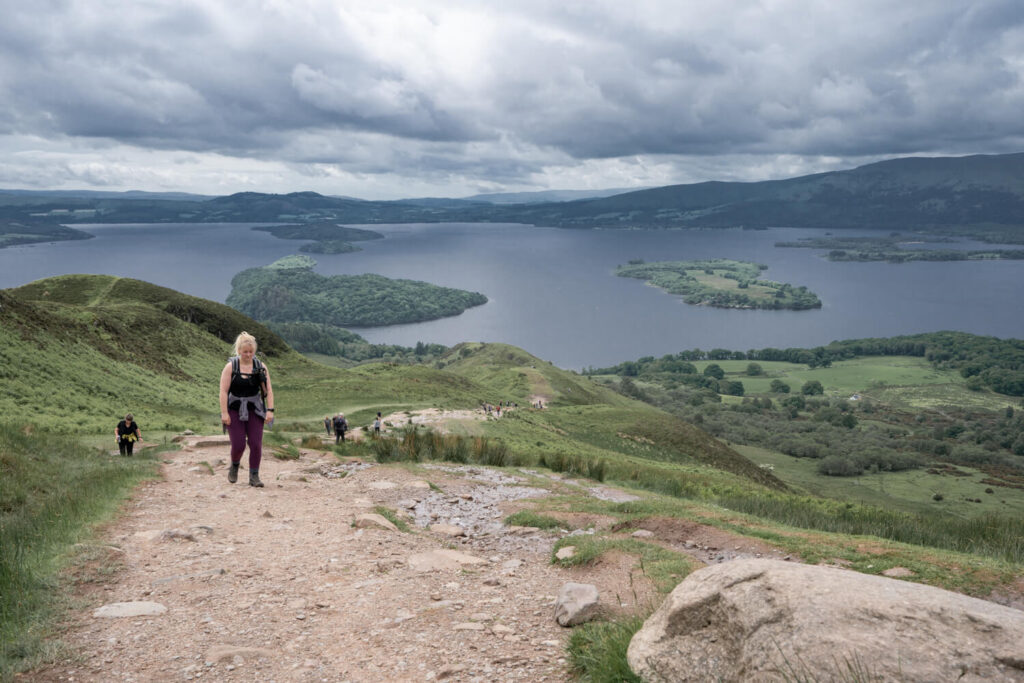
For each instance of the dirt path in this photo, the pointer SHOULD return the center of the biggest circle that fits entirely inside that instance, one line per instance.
(276, 584)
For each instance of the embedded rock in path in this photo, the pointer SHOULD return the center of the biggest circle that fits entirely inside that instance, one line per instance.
(762, 619)
(577, 603)
(292, 476)
(452, 530)
(436, 560)
(141, 608)
(566, 552)
(372, 520)
(233, 654)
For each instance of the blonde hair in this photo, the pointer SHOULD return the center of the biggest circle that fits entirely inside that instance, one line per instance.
(244, 339)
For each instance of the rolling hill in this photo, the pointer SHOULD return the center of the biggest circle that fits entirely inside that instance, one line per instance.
(981, 193)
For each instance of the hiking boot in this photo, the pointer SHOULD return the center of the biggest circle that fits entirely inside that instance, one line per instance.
(233, 472)
(254, 479)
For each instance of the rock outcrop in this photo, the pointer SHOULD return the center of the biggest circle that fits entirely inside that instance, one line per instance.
(768, 620)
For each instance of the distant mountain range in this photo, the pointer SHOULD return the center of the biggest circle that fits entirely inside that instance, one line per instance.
(983, 192)
(548, 196)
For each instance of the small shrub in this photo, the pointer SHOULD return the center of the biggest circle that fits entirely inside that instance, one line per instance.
(312, 441)
(286, 451)
(937, 497)
(531, 518)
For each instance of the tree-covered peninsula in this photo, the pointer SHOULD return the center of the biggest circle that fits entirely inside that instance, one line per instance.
(897, 249)
(721, 283)
(289, 291)
(28, 232)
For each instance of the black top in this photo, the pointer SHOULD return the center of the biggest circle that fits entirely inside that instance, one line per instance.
(123, 428)
(246, 384)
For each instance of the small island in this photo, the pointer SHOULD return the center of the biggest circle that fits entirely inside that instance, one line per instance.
(894, 249)
(288, 291)
(327, 237)
(721, 283)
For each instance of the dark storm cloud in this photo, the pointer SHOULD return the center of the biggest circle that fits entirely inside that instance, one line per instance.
(452, 87)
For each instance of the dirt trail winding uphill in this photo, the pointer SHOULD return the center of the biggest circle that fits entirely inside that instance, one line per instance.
(276, 584)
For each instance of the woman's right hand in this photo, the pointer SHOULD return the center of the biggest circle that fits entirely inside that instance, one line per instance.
(225, 419)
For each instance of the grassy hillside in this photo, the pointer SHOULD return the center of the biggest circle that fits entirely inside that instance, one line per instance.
(79, 351)
(587, 422)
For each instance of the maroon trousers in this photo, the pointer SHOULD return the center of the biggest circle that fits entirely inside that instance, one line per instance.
(250, 431)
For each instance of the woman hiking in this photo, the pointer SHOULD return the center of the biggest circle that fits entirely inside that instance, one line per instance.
(246, 404)
(127, 432)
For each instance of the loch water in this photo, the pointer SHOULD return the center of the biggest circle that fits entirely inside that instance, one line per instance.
(552, 291)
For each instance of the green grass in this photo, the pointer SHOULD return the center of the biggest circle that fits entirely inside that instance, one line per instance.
(392, 516)
(598, 650)
(908, 491)
(530, 518)
(664, 568)
(843, 378)
(52, 493)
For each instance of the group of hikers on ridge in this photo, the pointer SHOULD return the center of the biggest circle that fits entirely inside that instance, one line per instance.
(491, 409)
(338, 425)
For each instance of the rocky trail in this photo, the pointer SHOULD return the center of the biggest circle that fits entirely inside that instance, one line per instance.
(301, 581)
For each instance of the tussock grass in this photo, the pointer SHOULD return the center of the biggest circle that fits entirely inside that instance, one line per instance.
(286, 451)
(411, 444)
(574, 464)
(392, 516)
(52, 492)
(598, 650)
(534, 519)
(312, 441)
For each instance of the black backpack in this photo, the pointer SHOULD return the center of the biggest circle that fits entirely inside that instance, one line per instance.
(257, 372)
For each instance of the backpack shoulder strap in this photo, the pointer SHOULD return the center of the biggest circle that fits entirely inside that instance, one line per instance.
(234, 365)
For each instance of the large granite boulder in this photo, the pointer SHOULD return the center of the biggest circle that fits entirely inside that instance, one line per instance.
(763, 620)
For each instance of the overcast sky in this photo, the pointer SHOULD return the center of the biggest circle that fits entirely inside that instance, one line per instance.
(384, 99)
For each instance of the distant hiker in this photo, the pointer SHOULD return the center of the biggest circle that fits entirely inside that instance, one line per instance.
(127, 432)
(327, 424)
(340, 427)
(376, 425)
(246, 405)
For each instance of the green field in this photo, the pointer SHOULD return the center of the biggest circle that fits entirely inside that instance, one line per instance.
(912, 491)
(843, 378)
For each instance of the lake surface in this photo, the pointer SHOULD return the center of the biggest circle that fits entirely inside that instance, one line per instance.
(552, 291)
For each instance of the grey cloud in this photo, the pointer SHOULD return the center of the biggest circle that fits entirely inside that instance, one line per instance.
(550, 84)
